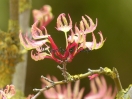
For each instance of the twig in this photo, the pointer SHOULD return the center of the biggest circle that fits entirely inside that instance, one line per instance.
(64, 73)
(113, 74)
(47, 87)
(64, 70)
(117, 80)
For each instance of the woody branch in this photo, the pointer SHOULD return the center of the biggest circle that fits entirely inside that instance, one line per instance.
(113, 74)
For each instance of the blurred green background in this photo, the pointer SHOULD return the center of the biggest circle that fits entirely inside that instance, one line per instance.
(115, 22)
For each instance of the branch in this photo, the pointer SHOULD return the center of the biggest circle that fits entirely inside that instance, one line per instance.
(47, 87)
(113, 74)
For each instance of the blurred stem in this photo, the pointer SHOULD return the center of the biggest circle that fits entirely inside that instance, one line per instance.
(13, 26)
(13, 9)
(10, 46)
(24, 5)
(19, 76)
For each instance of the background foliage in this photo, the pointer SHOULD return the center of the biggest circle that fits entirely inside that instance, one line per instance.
(115, 22)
